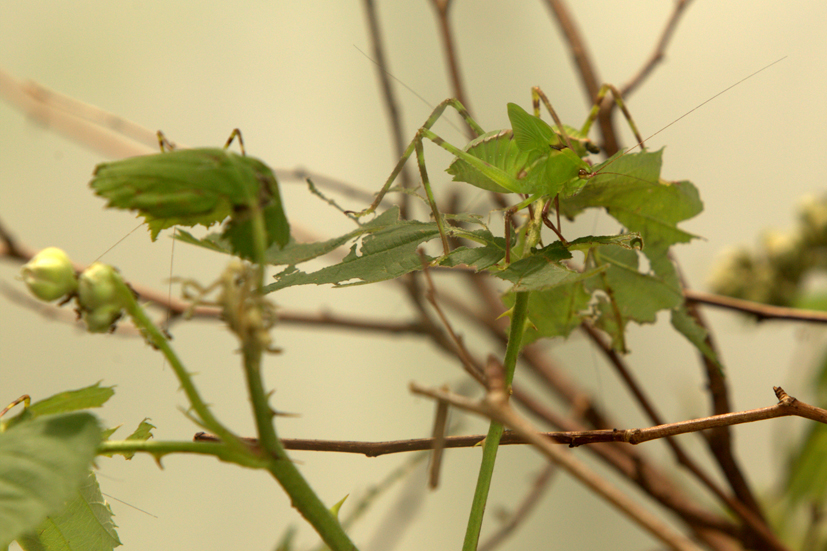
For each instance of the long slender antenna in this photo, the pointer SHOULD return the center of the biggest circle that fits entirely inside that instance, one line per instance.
(727, 89)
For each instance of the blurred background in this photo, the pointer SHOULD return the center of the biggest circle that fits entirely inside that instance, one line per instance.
(292, 77)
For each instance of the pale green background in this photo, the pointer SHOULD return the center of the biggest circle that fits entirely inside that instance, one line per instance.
(287, 73)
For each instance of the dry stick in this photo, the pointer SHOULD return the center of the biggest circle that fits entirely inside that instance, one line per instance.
(660, 49)
(757, 309)
(746, 513)
(391, 103)
(720, 439)
(442, 7)
(635, 468)
(585, 67)
(114, 136)
(495, 406)
(787, 406)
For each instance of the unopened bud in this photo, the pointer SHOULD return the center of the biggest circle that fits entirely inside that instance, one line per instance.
(49, 275)
(98, 297)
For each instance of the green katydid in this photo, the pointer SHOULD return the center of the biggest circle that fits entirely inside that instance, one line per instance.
(532, 158)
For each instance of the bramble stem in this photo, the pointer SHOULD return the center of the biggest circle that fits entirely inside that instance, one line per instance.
(495, 430)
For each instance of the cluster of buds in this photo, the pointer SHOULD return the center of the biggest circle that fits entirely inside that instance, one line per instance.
(775, 273)
(50, 276)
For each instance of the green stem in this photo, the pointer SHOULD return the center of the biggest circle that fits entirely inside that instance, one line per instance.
(160, 448)
(495, 430)
(156, 338)
(280, 466)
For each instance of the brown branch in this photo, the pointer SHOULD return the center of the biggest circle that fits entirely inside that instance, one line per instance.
(787, 406)
(660, 49)
(757, 309)
(719, 440)
(495, 406)
(755, 521)
(577, 46)
(442, 7)
(391, 103)
(587, 71)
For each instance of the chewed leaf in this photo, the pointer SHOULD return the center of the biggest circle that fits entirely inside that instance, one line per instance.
(196, 187)
(629, 294)
(142, 434)
(385, 254)
(43, 462)
(85, 523)
(631, 190)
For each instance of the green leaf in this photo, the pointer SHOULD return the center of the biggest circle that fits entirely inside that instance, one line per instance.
(807, 472)
(630, 295)
(479, 258)
(633, 193)
(542, 270)
(555, 312)
(85, 524)
(142, 434)
(807, 476)
(631, 241)
(386, 253)
(295, 253)
(93, 396)
(42, 464)
(196, 186)
(687, 326)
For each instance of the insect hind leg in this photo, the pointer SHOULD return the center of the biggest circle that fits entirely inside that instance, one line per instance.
(618, 99)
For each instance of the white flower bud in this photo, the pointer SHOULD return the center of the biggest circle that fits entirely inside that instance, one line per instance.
(50, 275)
(97, 287)
(98, 298)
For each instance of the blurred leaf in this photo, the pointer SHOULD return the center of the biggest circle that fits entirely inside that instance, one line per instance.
(93, 396)
(807, 475)
(687, 326)
(85, 524)
(42, 464)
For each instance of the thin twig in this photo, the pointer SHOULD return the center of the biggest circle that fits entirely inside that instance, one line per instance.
(787, 406)
(458, 91)
(760, 311)
(112, 135)
(459, 347)
(660, 49)
(720, 439)
(389, 96)
(746, 513)
(495, 406)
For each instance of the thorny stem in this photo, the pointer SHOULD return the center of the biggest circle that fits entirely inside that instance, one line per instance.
(495, 430)
(280, 466)
(156, 338)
